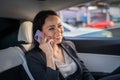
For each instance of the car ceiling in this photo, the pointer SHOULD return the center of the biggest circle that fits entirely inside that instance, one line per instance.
(27, 9)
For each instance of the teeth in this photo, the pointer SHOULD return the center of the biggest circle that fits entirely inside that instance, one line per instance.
(58, 37)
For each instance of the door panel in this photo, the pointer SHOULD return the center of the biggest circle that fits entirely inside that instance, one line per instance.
(99, 54)
(100, 63)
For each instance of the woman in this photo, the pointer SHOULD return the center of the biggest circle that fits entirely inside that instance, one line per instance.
(54, 58)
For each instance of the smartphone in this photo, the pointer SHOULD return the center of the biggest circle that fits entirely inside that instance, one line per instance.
(37, 36)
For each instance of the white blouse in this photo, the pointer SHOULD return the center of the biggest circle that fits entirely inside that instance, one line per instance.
(67, 68)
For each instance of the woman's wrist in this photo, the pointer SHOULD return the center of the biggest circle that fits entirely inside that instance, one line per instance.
(51, 63)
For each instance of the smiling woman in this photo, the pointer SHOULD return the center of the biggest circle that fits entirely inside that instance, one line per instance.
(54, 58)
(51, 59)
(101, 55)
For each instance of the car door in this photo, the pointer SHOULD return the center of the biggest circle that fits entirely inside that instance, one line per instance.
(100, 55)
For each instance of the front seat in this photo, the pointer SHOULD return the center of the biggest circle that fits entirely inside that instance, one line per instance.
(13, 64)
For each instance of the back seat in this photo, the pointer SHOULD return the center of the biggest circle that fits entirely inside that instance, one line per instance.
(13, 64)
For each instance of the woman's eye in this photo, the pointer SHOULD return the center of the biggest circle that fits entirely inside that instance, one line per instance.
(51, 28)
(59, 26)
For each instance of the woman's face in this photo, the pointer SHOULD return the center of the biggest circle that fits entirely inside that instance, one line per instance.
(53, 28)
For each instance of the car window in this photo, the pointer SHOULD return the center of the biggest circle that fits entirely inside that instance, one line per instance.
(9, 30)
(66, 30)
(97, 20)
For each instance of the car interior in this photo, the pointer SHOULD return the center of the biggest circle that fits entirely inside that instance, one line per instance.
(14, 57)
(100, 55)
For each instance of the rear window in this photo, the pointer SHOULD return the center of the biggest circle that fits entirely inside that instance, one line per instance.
(9, 30)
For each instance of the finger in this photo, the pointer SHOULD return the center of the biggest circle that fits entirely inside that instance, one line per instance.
(43, 38)
(51, 42)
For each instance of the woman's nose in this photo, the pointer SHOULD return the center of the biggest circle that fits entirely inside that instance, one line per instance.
(57, 30)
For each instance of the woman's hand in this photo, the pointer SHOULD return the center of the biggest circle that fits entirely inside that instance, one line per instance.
(47, 48)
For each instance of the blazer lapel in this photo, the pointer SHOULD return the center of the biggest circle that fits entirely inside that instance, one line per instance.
(73, 55)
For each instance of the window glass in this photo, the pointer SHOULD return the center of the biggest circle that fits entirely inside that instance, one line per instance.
(91, 21)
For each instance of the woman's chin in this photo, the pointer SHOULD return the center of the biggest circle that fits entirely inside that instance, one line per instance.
(58, 41)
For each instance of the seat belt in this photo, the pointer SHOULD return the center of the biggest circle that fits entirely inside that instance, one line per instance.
(25, 63)
(23, 49)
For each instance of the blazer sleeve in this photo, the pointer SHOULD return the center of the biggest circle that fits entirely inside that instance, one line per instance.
(38, 71)
(86, 74)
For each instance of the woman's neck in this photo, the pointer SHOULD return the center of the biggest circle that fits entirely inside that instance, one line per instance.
(59, 54)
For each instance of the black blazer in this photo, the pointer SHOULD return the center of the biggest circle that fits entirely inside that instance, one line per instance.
(37, 64)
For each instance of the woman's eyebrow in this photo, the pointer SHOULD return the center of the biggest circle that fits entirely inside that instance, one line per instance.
(59, 23)
(54, 25)
(51, 26)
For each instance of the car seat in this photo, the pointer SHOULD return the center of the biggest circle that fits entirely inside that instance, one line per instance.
(13, 64)
(25, 35)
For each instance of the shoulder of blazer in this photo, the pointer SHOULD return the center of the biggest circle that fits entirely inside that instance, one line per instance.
(37, 55)
(70, 43)
(69, 47)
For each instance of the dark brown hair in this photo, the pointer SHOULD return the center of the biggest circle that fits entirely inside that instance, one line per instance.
(39, 19)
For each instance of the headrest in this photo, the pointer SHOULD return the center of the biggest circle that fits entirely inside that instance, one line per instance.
(25, 32)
